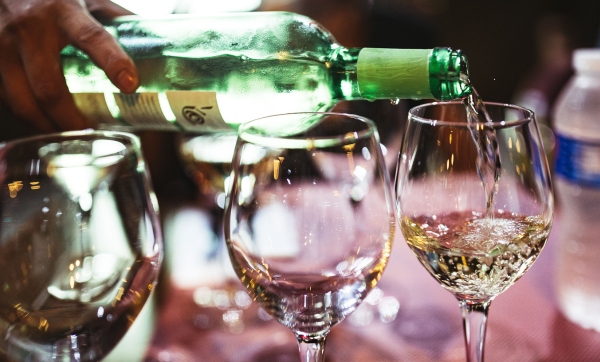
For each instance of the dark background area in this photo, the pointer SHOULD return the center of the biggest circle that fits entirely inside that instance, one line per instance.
(505, 41)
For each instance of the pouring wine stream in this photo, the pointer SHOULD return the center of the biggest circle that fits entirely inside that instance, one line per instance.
(489, 166)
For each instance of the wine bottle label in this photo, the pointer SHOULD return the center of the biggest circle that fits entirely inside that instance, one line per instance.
(197, 111)
(93, 107)
(142, 111)
(193, 111)
(578, 161)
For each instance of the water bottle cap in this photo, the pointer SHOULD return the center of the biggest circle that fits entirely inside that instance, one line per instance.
(586, 60)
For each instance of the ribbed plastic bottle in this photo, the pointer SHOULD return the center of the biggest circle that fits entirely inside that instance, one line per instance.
(577, 184)
(211, 74)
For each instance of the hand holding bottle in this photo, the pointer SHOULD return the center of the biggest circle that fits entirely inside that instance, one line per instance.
(32, 34)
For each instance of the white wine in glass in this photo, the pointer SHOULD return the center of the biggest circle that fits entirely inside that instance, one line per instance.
(474, 202)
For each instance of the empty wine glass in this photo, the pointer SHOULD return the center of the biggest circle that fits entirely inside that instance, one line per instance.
(207, 160)
(309, 224)
(202, 263)
(476, 230)
(80, 244)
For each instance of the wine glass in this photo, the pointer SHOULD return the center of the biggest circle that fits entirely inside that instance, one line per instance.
(80, 244)
(309, 224)
(204, 267)
(207, 160)
(476, 238)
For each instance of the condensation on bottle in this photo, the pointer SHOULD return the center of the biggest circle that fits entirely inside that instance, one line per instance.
(212, 73)
(577, 185)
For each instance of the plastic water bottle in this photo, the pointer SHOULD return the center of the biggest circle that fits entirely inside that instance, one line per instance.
(577, 184)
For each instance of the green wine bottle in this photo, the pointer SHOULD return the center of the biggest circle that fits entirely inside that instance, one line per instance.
(210, 74)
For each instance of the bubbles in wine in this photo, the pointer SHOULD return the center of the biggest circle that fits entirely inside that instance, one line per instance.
(470, 259)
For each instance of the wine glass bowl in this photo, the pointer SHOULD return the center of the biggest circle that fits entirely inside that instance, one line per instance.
(80, 244)
(309, 224)
(475, 238)
(206, 269)
(207, 159)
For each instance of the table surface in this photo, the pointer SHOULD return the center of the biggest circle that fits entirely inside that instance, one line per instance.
(524, 323)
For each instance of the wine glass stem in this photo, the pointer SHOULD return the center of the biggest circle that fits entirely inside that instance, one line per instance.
(312, 350)
(474, 323)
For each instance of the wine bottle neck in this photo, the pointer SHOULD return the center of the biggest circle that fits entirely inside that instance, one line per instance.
(448, 74)
(438, 73)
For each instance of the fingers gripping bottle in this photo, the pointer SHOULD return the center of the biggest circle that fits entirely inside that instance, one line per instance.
(577, 184)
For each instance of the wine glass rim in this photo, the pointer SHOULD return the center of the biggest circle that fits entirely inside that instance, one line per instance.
(298, 142)
(501, 124)
(73, 134)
